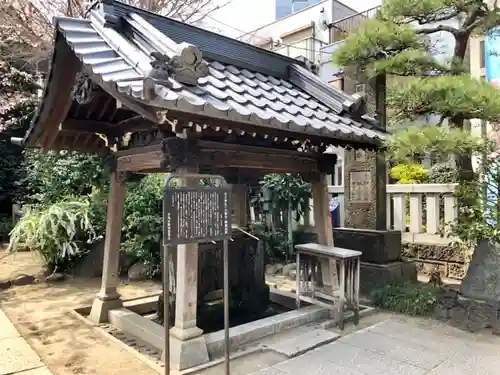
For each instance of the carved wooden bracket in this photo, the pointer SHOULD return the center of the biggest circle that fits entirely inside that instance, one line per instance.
(83, 89)
(110, 164)
(179, 152)
(185, 68)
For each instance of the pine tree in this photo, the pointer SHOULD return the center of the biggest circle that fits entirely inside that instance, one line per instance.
(397, 43)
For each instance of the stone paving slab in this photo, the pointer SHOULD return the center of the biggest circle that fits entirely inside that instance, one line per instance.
(16, 355)
(416, 355)
(461, 364)
(325, 368)
(442, 343)
(7, 329)
(395, 347)
(302, 343)
(363, 361)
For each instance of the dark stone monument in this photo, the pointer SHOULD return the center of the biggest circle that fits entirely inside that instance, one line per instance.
(249, 293)
(366, 226)
(376, 246)
(365, 200)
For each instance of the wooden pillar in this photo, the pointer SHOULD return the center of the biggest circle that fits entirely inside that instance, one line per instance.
(240, 204)
(108, 297)
(323, 228)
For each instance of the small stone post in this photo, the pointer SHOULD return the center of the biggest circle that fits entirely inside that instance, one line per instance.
(188, 348)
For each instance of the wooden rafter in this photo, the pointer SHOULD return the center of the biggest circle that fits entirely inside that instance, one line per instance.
(217, 155)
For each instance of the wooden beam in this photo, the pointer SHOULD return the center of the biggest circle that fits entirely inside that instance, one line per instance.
(221, 156)
(89, 127)
(61, 84)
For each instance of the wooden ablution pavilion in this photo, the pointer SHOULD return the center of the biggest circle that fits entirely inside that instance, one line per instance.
(159, 95)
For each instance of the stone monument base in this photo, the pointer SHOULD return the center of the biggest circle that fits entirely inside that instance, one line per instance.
(188, 353)
(374, 275)
(376, 246)
(468, 314)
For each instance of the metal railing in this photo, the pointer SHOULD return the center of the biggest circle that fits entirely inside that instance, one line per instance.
(307, 47)
(345, 26)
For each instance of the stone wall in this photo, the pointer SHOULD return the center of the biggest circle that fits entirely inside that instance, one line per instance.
(429, 257)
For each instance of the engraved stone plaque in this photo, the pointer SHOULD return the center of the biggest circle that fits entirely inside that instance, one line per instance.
(360, 187)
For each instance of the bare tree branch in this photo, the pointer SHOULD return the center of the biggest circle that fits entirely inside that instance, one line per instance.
(437, 29)
(26, 29)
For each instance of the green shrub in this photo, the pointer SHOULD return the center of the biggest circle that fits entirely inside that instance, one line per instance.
(443, 173)
(143, 220)
(409, 173)
(276, 243)
(52, 176)
(60, 233)
(407, 298)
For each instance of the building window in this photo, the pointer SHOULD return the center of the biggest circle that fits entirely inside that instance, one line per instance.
(283, 8)
(337, 83)
(299, 5)
(482, 54)
(287, 7)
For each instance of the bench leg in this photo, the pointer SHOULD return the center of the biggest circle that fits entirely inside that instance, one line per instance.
(342, 294)
(297, 280)
(313, 276)
(357, 270)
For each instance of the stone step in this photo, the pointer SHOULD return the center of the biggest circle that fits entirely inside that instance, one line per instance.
(304, 342)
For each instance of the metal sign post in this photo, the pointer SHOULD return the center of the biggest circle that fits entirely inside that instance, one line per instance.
(194, 214)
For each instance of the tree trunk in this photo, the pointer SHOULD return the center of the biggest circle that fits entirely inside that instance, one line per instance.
(464, 162)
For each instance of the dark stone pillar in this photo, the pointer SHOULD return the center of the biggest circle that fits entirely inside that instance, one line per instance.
(365, 179)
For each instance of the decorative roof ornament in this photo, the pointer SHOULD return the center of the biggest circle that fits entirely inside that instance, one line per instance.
(185, 68)
(308, 64)
(83, 89)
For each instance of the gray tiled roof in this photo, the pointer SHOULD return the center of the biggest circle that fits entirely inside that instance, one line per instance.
(228, 92)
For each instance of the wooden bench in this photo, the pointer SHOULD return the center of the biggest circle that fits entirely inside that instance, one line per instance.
(348, 264)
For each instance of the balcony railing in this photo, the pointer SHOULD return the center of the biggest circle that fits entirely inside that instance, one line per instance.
(308, 47)
(343, 27)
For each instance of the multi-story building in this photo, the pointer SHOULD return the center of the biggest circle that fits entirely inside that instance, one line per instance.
(318, 30)
(302, 32)
(305, 33)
